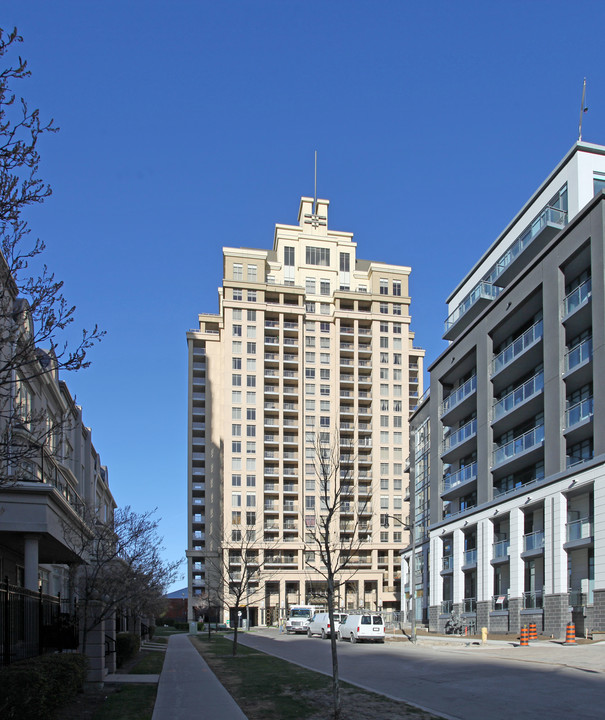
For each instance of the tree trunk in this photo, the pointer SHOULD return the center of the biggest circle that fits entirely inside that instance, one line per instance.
(333, 647)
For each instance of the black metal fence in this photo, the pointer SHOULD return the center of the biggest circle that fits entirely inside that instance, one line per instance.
(32, 623)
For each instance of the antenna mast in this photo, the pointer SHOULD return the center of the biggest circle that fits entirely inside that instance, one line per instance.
(583, 109)
(315, 196)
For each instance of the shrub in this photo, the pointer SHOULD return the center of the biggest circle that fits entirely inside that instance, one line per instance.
(127, 646)
(151, 631)
(36, 688)
(181, 626)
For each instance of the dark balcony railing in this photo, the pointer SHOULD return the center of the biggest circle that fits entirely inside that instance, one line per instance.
(32, 623)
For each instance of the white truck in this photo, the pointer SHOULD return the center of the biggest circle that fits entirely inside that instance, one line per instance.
(299, 616)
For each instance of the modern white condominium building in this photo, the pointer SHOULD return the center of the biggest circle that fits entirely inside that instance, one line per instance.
(508, 452)
(309, 342)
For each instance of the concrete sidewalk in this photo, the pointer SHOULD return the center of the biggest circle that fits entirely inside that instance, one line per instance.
(189, 689)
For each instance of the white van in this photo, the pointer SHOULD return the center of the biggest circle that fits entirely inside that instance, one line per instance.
(366, 626)
(320, 624)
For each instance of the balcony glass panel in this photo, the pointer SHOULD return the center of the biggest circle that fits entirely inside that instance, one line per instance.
(469, 605)
(470, 557)
(533, 600)
(533, 541)
(529, 388)
(500, 602)
(446, 606)
(579, 529)
(579, 412)
(448, 562)
(459, 436)
(458, 395)
(578, 297)
(579, 354)
(484, 290)
(517, 347)
(550, 215)
(463, 475)
(500, 549)
(531, 439)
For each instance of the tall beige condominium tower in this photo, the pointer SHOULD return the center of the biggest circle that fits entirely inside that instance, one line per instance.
(309, 342)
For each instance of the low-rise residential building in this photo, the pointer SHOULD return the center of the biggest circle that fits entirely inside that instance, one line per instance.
(52, 482)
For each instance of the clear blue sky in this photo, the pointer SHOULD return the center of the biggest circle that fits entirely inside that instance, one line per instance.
(188, 126)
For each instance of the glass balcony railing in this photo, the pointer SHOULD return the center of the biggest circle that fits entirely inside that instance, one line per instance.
(465, 474)
(550, 215)
(533, 600)
(459, 436)
(577, 297)
(469, 605)
(579, 354)
(470, 557)
(500, 602)
(500, 549)
(580, 529)
(448, 562)
(446, 606)
(519, 395)
(533, 541)
(531, 439)
(456, 397)
(578, 412)
(484, 290)
(517, 347)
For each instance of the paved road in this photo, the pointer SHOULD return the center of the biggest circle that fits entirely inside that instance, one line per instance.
(493, 682)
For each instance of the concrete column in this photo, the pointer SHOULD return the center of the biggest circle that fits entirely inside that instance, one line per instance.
(30, 552)
(517, 579)
(485, 572)
(458, 578)
(436, 585)
(555, 558)
(599, 537)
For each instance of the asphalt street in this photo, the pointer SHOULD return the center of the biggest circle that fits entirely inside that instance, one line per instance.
(462, 682)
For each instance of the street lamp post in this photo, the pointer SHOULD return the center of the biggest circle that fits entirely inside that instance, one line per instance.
(410, 529)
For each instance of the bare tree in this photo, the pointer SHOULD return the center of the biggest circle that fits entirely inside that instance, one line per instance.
(34, 314)
(122, 569)
(334, 535)
(237, 567)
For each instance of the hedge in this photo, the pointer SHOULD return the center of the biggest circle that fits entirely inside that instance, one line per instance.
(127, 646)
(38, 687)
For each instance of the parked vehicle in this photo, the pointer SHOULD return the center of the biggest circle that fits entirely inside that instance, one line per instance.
(362, 626)
(298, 618)
(320, 624)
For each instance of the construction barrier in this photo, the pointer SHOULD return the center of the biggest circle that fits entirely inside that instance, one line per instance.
(570, 635)
(524, 636)
(533, 631)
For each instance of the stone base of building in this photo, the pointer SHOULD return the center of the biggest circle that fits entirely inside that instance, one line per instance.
(498, 622)
(434, 618)
(598, 609)
(514, 614)
(483, 608)
(556, 615)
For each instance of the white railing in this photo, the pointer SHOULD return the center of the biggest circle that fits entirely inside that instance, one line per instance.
(519, 395)
(531, 439)
(517, 347)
